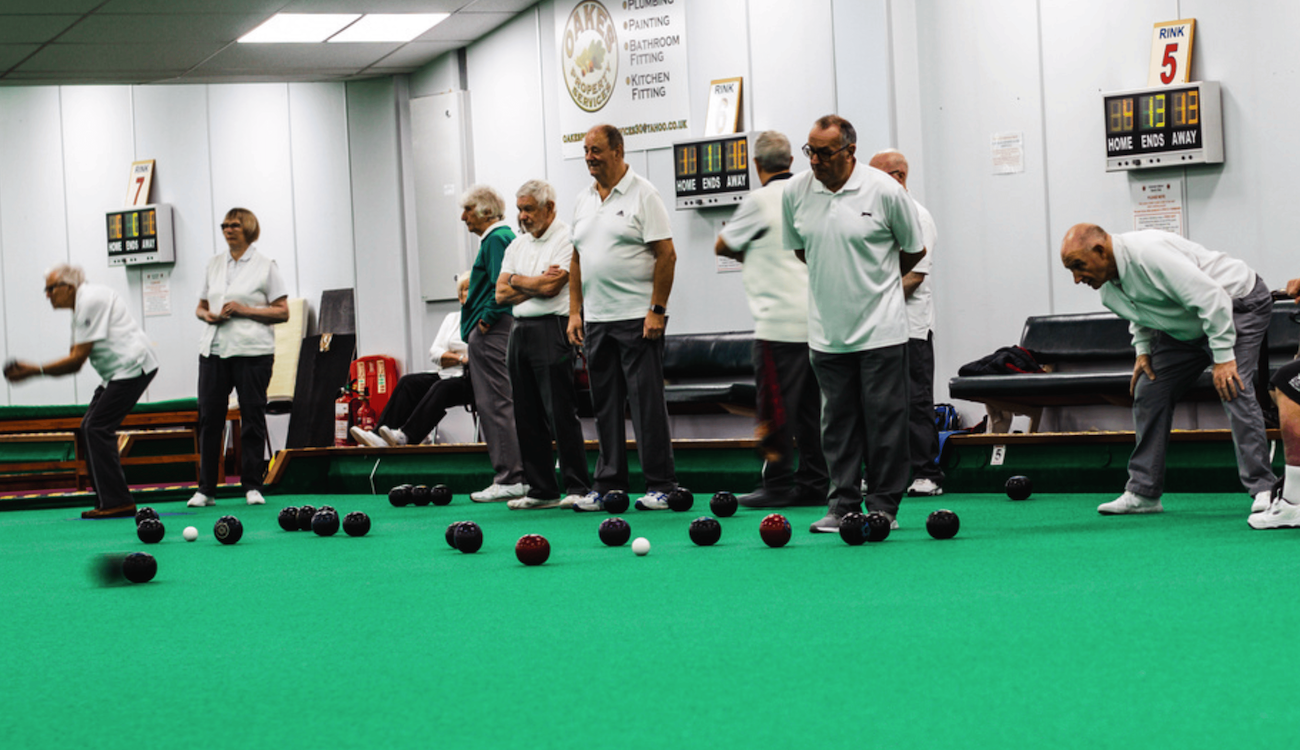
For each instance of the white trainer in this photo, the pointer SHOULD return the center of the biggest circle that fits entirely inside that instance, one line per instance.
(1281, 514)
(591, 502)
(568, 501)
(392, 437)
(1261, 502)
(254, 498)
(924, 487)
(653, 501)
(499, 492)
(367, 438)
(200, 500)
(1130, 503)
(533, 503)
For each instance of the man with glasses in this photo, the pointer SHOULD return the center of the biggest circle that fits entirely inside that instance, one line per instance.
(104, 332)
(859, 233)
(789, 406)
(927, 477)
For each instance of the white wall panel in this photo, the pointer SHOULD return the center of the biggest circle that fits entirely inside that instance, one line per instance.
(505, 88)
(322, 191)
(171, 127)
(33, 237)
(862, 77)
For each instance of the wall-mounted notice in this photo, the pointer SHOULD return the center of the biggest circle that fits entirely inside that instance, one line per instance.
(1008, 153)
(1158, 204)
(624, 63)
(157, 293)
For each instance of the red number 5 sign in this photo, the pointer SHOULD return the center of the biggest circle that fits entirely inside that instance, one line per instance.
(1171, 52)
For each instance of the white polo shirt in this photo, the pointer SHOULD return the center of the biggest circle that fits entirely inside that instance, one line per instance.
(120, 349)
(851, 239)
(531, 256)
(1171, 284)
(920, 306)
(776, 282)
(612, 238)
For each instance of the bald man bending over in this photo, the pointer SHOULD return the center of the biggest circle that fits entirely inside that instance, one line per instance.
(1188, 308)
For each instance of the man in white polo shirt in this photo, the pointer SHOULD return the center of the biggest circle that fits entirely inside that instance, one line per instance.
(535, 279)
(776, 282)
(858, 231)
(104, 332)
(927, 477)
(1188, 308)
(619, 281)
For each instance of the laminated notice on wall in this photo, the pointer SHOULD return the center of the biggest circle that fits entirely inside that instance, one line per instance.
(1158, 204)
(157, 288)
(1008, 153)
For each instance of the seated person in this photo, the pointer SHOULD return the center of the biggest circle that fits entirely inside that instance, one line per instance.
(421, 399)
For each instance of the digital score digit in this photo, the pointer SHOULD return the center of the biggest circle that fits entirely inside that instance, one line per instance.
(1166, 126)
(713, 171)
(140, 235)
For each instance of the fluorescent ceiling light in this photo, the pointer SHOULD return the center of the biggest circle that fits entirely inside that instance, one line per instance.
(300, 27)
(389, 27)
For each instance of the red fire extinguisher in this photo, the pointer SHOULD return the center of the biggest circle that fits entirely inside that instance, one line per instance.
(363, 414)
(343, 417)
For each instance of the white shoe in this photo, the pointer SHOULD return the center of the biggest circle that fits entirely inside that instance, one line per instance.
(201, 500)
(393, 437)
(1281, 514)
(499, 492)
(924, 487)
(1130, 503)
(533, 503)
(653, 501)
(568, 501)
(591, 502)
(368, 438)
(1262, 500)
(254, 497)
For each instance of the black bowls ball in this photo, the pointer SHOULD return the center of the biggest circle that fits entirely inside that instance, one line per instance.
(228, 530)
(356, 523)
(724, 504)
(615, 532)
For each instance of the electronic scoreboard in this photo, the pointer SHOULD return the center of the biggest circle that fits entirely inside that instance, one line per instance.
(142, 234)
(713, 171)
(1164, 126)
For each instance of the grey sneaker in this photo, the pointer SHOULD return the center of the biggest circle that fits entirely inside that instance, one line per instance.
(829, 524)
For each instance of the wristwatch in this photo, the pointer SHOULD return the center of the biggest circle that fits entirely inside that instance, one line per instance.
(658, 309)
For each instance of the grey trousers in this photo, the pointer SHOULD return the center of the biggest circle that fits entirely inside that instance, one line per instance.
(627, 369)
(546, 406)
(790, 405)
(496, 410)
(1177, 365)
(864, 415)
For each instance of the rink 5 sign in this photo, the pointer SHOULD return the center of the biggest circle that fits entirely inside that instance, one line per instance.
(1171, 52)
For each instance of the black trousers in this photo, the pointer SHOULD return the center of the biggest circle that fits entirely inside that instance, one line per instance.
(249, 377)
(108, 407)
(922, 431)
(540, 360)
(627, 370)
(421, 400)
(790, 412)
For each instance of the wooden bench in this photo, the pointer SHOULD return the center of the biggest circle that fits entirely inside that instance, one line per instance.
(40, 445)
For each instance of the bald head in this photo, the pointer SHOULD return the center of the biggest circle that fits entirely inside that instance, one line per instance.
(891, 162)
(1087, 252)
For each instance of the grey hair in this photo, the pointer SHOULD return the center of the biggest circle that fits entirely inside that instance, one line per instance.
(539, 190)
(848, 135)
(484, 202)
(772, 151)
(65, 273)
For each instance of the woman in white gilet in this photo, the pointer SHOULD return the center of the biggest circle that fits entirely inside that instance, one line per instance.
(243, 296)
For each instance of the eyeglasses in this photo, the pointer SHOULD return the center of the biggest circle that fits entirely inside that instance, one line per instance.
(231, 225)
(822, 154)
(51, 287)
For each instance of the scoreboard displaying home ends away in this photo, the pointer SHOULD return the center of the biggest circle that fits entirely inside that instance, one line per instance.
(713, 171)
(142, 234)
(1164, 126)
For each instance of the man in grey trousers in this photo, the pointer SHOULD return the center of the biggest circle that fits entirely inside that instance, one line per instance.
(1188, 308)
